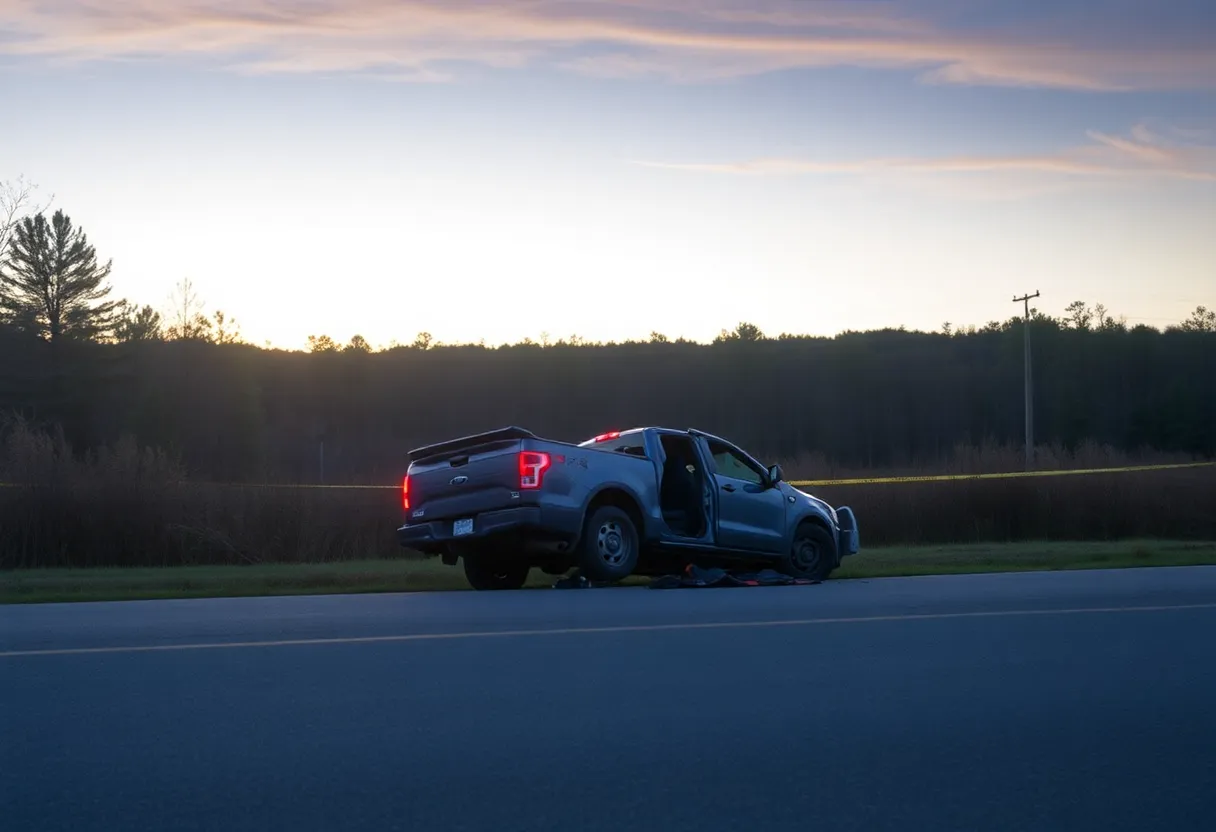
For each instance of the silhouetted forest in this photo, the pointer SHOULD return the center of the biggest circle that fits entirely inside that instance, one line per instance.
(238, 413)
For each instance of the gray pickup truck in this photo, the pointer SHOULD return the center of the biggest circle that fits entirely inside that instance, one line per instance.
(646, 501)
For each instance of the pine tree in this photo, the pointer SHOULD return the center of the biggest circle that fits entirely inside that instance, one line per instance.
(138, 324)
(52, 283)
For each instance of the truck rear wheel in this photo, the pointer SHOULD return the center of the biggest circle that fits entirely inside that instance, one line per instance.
(609, 547)
(812, 554)
(487, 573)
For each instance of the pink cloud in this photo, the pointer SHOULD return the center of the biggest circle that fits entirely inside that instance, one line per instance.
(666, 38)
(1144, 154)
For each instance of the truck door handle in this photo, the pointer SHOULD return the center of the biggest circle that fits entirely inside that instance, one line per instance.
(728, 487)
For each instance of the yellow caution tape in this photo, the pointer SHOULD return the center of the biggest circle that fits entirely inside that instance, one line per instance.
(1002, 476)
(796, 483)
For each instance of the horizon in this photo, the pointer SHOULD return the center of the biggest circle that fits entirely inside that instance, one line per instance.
(1201, 319)
(1203, 316)
(611, 169)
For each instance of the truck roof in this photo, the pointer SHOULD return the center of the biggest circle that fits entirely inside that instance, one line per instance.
(604, 437)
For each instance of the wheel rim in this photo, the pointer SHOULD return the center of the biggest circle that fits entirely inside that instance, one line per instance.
(806, 555)
(612, 544)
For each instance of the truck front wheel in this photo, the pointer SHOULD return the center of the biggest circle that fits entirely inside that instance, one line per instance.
(487, 573)
(812, 555)
(609, 547)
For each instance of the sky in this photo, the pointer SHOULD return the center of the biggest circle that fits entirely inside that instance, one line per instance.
(500, 171)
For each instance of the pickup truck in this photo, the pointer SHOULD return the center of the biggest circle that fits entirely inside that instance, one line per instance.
(646, 501)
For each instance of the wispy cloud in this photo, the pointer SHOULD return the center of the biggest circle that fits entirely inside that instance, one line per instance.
(675, 39)
(1143, 153)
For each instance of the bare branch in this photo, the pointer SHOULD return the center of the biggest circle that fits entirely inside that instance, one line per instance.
(16, 201)
(185, 315)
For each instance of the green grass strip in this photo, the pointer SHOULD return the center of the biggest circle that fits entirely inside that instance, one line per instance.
(117, 584)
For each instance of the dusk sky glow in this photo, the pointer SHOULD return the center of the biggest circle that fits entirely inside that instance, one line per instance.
(498, 170)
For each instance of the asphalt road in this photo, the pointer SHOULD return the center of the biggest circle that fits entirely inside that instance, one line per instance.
(1042, 701)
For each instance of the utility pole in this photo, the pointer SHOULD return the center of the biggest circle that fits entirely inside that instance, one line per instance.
(1025, 300)
(321, 433)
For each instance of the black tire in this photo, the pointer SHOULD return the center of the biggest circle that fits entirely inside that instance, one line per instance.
(494, 574)
(609, 548)
(812, 554)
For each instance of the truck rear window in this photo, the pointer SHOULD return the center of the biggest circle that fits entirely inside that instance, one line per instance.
(632, 443)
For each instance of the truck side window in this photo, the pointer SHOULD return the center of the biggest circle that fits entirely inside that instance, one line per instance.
(729, 464)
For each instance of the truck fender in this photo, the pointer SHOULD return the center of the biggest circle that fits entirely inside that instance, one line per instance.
(621, 495)
(812, 515)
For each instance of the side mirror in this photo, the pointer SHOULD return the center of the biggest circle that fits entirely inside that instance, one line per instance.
(775, 475)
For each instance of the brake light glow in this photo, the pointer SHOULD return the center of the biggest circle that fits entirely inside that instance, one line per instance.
(604, 437)
(532, 467)
(405, 493)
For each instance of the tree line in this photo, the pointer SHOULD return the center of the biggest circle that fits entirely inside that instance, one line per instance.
(99, 369)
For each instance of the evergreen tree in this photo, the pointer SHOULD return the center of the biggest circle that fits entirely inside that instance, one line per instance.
(52, 283)
(139, 324)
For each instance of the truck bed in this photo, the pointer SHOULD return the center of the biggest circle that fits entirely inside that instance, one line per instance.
(510, 480)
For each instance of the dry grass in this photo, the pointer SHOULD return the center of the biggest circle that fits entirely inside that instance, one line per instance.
(128, 506)
(986, 458)
(1170, 504)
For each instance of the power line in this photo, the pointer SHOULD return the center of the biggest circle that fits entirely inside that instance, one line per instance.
(1025, 300)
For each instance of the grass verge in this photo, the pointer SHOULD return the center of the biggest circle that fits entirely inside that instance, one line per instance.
(1025, 557)
(127, 584)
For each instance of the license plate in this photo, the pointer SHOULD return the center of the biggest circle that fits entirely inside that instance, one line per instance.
(462, 527)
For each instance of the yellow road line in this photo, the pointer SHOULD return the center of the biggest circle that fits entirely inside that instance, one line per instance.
(565, 631)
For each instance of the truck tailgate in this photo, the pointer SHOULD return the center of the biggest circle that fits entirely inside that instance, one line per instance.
(465, 482)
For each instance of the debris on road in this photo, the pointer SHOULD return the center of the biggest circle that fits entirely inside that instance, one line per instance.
(697, 577)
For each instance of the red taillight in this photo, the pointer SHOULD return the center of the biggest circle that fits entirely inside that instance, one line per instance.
(405, 493)
(604, 437)
(532, 467)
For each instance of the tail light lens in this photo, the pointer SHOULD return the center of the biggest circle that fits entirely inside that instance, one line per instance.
(405, 493)
(532, 467)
